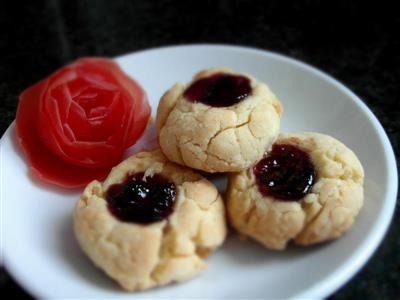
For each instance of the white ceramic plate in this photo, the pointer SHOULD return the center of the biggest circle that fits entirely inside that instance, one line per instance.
(39, 246)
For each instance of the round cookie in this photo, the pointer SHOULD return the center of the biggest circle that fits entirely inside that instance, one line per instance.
(218, 139)
(323, 208)
(140, 256)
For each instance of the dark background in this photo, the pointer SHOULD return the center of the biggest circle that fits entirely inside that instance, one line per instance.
(357, 43)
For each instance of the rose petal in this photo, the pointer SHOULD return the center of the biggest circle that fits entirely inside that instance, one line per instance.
(63, 96)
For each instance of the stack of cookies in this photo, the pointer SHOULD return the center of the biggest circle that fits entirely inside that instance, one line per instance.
(156, 217)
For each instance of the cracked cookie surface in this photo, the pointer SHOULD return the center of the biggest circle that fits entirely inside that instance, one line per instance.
(323, 214)
(218, 139)
(143, 256)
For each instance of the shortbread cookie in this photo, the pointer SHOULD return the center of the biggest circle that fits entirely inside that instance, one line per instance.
(308, 188)
(220, 122)
(150, 223)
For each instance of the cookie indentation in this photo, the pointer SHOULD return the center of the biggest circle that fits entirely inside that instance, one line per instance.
(141, 199)
(286, 173)
(219, 90)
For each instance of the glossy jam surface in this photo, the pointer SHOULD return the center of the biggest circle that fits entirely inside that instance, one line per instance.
(286, 173)
(142, 201)
(219, 90)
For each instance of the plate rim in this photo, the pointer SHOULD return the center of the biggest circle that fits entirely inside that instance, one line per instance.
(357, 260)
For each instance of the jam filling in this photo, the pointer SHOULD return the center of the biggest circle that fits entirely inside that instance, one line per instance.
(286, 173)
(141, 201)
(219, 90)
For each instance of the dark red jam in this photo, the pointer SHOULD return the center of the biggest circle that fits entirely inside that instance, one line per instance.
(219, 90)
(286, 173)
(141, 201)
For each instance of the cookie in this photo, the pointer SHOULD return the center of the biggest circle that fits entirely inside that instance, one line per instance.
(308, 188)
(220, 122)
(142, 246)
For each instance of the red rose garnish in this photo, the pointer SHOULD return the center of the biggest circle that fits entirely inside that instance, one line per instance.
(76, 124)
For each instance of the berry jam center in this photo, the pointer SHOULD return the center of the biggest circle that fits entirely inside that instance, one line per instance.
(141, 201)
(219, 90)
(286, 173)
